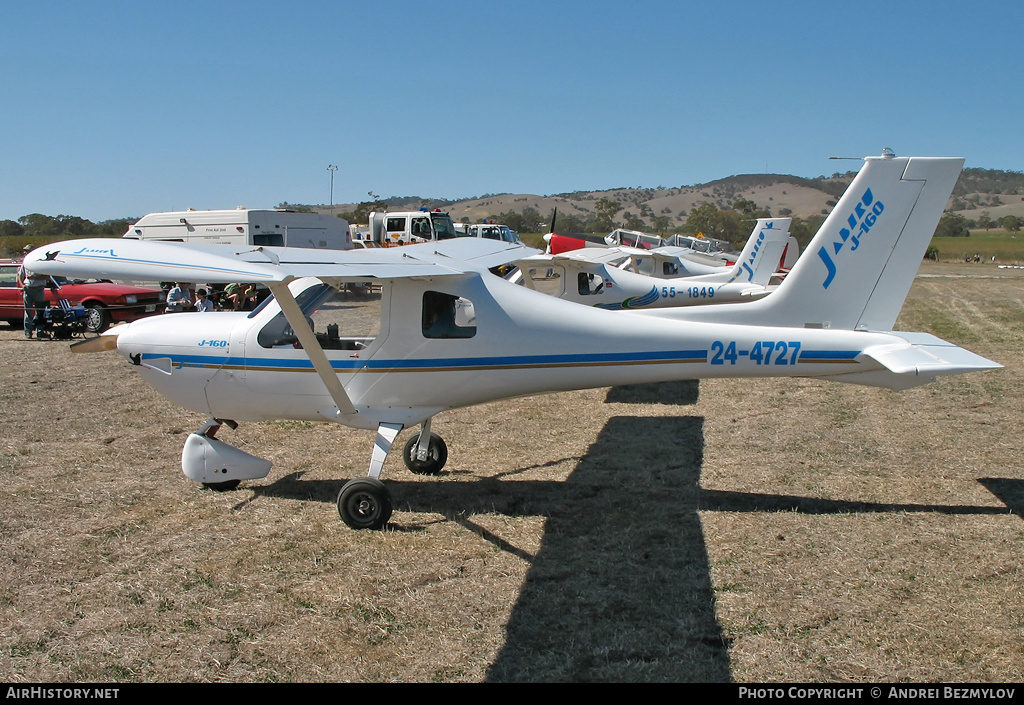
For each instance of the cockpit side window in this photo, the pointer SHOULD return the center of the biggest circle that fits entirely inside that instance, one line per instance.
(589, 284)
(279, 331)
(446, 316)
(340, 319)
(645, 265)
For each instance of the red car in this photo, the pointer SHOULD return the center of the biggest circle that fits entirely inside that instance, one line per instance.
(105, 301)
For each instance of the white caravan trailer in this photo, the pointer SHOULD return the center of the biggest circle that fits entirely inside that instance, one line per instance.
(278, 227)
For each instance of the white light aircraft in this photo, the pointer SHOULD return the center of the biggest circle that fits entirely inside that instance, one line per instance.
(451, 334)
(673, 261)
(659, 278)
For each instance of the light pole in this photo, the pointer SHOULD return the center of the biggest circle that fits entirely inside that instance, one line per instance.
(331, 168)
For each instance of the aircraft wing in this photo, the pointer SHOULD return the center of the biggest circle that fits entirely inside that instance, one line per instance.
(671, 251)
(604, 255)
(125, 258)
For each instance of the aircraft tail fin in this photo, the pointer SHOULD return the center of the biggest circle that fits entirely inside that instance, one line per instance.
(761, 255)
(857, 270)
(789, 255)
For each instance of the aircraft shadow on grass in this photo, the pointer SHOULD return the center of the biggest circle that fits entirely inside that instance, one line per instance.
(620, 589)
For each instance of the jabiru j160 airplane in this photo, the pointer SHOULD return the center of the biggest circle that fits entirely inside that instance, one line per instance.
(452, 334)
(593, 277)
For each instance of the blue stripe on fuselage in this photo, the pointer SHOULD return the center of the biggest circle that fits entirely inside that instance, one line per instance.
(828, 355)
(438, 364)
(461, 363)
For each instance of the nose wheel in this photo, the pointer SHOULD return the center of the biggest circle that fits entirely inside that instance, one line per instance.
(365, 503)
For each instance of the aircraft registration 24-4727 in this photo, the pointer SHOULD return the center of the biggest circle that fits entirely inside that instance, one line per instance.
(452, 334)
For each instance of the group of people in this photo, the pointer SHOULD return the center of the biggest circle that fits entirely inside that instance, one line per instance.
(976, 258)
(179, 298)
(235, 296)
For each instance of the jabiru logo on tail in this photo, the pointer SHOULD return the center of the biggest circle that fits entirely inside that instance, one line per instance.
(860, 221)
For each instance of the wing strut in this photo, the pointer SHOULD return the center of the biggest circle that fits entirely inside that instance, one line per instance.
(311, 345)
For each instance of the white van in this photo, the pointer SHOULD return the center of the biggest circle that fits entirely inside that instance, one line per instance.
(277, 227)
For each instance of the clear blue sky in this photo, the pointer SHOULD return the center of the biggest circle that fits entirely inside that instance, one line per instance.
(115, 109)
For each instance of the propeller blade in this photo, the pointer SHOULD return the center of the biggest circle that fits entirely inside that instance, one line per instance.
(102, 343)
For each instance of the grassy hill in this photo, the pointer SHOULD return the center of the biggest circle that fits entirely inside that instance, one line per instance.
(978, 194)
(997, 193)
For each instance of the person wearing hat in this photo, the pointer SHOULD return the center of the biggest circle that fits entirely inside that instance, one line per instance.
(33, 287)
(203, 303)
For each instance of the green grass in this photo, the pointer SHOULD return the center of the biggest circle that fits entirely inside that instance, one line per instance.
(1006, 247)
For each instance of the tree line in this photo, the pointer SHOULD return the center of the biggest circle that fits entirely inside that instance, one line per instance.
(62, 227)
(957, 225)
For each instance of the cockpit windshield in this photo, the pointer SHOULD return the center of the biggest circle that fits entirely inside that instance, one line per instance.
(443, 226)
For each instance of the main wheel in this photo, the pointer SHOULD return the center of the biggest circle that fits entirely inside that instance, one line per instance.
(98, 318)
(364, 503)
(437, 455)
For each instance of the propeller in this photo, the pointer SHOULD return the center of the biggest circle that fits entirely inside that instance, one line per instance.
(551, 230)
(101, 343)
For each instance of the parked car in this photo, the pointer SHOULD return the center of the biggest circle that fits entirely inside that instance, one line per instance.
(492, 231)
(106, 302)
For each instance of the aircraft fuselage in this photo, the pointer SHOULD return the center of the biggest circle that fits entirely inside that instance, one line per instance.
(217, 363)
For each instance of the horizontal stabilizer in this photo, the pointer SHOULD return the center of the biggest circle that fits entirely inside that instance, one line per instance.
(918, 362)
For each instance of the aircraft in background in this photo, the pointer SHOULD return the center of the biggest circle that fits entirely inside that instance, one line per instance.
(678, 251)
(451, 334)
(659, 277)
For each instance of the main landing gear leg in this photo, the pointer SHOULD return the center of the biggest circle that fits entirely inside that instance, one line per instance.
(365, 503)
(209, 430)
(426, 453)
(216, 464)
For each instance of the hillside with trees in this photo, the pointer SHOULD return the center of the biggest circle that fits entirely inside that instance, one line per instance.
(983, 199)
(36, 228)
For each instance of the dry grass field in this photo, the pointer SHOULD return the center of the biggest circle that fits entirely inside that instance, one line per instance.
(731, 530)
